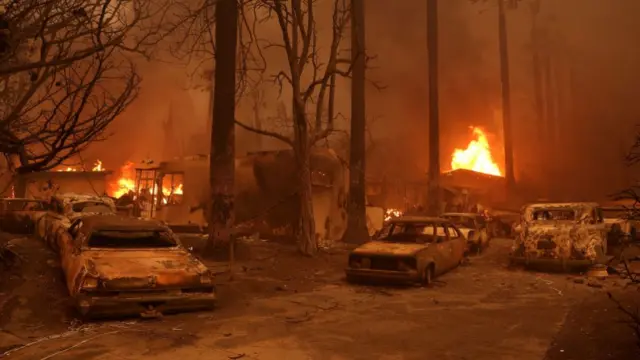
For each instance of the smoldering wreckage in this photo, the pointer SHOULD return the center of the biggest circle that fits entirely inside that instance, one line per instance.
(123, 254)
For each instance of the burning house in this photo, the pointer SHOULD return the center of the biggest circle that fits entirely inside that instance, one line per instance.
(265, 191)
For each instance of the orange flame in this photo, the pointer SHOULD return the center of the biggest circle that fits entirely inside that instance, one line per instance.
(477, 156)
(127, 182)
(98, 166)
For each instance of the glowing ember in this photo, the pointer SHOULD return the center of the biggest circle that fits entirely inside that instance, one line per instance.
(97, 166)
(392, 214)
(477, 156)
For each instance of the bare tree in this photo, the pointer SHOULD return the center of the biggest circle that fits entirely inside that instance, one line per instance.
(67, 70)
(312, 83)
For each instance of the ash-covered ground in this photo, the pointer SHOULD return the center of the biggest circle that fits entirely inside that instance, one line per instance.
(279, 305)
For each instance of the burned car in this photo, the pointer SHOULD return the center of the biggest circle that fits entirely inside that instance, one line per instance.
(412, 249)
(566, 233)
(63, 209)
(473, 227)
(128, 266)
(622, 224)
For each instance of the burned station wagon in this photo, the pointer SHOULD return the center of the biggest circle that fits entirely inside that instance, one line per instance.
(126, 266)
(569, 233)
(409, 249)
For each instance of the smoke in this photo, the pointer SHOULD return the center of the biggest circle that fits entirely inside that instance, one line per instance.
(600, 107)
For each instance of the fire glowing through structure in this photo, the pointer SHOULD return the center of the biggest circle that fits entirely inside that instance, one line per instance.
(126, 180)
(477, 156)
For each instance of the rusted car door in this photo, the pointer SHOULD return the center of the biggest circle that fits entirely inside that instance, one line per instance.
(458, 244)
(444, 248)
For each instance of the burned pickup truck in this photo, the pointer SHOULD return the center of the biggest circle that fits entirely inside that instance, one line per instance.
(572, 234)
(117, 266)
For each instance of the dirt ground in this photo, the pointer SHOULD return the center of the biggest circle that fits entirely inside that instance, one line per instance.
(282, 306)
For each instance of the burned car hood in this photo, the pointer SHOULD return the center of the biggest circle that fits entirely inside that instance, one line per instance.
(389, 248)
(142, 263)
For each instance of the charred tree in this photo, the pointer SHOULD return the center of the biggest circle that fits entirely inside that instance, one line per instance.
(311, 81)
(434, 111)
(506, 94)
(222, 157)
(66, 73)
(356, 231)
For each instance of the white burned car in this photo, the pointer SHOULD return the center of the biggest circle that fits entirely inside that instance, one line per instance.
(567, 233)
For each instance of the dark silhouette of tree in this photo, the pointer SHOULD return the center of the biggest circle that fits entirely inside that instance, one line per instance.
(222, 158)
(67, 70)
(356, 231)
(434, 111)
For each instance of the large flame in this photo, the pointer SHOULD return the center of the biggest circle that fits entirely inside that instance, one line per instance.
(477, 156)
(127, 182)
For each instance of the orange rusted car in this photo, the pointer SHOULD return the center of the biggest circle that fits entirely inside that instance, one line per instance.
(118, 266)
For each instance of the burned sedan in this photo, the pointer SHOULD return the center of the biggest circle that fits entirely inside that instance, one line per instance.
(566, 233)
(127, 266)
(409, 249)
(473, 227)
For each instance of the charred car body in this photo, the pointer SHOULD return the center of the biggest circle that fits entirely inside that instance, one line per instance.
(473, 227)
(127, 266)
(569, 233)
(63, 209)
(409, 249)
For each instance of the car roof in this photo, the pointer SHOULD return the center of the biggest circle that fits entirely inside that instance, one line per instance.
(461, 214)
(120, 223)
(418, 219)
(563, 205)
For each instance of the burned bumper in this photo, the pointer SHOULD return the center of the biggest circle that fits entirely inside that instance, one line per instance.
(385, 275)
(95, 306)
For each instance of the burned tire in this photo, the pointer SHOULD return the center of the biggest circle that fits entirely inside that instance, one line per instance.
(427, 276)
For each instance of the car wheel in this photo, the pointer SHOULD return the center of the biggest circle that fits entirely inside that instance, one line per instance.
(427, 276)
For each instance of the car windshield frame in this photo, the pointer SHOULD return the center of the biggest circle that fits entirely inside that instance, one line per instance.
(554, 210)
(164, 240)
(469, 221)
(404, 237)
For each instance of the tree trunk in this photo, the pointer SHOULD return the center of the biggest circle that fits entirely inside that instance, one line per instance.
(306, 229)
(357, 231)
(434, 111)
(506, 95)
(222, 159)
